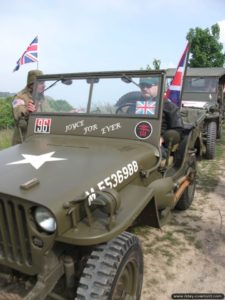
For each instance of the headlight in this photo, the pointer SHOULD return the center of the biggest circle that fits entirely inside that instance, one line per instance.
(45, 219)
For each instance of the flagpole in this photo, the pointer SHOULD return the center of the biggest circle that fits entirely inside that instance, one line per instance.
(37, 56)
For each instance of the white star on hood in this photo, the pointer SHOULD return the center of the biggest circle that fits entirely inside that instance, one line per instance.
(36, 160)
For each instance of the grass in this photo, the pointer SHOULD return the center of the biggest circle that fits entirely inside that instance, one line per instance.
(209, 170)
(168, 236)
(143, 231)
(190, 238)
(169, 276)
(153, 281)
(193, 218)
(5, 138)
(198, 244)
(166, 245)
(220, 145)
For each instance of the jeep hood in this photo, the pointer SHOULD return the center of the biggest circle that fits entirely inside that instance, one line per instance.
(66, 167)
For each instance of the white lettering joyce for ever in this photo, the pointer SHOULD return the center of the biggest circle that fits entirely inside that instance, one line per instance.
(74, 126)
(109, 128)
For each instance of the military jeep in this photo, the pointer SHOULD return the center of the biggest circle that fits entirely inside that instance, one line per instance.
(86, 172)
(204, 90)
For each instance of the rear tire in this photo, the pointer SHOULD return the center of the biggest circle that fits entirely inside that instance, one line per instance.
(219, 131)
(211, 140)
(9, 296)
(113, 271)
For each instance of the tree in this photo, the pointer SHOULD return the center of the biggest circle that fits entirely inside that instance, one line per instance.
(60, 105)
(6, 116)
(206, 50)
(156, 64)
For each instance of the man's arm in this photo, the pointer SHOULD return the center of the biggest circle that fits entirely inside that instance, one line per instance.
(22, 107)
(172, 116)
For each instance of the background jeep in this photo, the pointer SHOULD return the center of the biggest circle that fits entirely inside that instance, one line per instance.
(204, 90)
(85, 173)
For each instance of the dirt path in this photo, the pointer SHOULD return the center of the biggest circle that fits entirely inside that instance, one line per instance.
(188, 254)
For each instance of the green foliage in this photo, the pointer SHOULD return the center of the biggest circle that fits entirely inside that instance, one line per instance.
(5, 138)
(148, 67)
(206, 50)
(156, 64)
(6, 116)
(60, 105)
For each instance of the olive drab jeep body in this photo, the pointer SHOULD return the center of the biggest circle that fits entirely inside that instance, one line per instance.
(88, 169)
(204, 89)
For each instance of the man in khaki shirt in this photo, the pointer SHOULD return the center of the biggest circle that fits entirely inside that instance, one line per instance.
(23, 105)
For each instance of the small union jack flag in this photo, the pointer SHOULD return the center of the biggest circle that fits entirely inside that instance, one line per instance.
(145, 107)
(17, 102)
(175, 89)
(30, 55)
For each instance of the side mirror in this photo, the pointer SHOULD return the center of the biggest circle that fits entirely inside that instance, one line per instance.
(67, 81)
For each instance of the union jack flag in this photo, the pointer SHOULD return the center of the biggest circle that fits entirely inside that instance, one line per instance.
(145, 107)
(30, 55)
(174, 91)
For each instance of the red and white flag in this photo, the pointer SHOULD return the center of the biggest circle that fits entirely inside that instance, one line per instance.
(30, 55)
(174, 91)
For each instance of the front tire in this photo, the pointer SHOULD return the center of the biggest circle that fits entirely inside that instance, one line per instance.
(113, 271)
(187, 197)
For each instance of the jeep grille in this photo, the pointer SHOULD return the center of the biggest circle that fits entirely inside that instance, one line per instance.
(14, 239)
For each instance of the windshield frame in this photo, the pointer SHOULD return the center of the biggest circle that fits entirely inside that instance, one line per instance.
(93, 77)
(200, 89)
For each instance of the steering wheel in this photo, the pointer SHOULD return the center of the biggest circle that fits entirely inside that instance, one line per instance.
(130, 108)
(128, 100)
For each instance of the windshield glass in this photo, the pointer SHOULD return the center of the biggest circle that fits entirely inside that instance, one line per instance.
(200, 84)
(136, 96)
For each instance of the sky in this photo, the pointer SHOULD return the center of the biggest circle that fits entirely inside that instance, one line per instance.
(99, 35)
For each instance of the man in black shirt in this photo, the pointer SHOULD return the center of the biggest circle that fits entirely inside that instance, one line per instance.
(171, 118)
